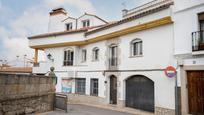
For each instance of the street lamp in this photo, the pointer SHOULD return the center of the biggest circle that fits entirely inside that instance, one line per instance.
(49, 56)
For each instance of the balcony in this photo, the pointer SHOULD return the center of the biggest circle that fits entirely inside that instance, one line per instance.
(198, 41)
(113, 63)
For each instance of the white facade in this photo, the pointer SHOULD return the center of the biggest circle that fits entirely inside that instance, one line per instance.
(162, 45)
(186, 23)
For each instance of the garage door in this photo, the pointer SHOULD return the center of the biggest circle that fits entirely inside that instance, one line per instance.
(196, 92)
(140, 93)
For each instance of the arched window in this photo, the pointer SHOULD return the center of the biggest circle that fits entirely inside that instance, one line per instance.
(136, 47)
(95, 54)
(68, 57)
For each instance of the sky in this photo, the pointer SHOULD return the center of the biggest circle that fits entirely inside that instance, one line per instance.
(22, 18)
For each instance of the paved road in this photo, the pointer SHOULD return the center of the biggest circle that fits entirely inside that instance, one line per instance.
(85, 110)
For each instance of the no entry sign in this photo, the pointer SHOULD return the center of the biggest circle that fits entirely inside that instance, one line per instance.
(170, 71)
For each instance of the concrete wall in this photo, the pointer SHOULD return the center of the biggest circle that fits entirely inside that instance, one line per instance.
(25, 94)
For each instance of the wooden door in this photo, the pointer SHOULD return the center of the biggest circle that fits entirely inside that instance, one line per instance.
(196, 92)
(113, 90)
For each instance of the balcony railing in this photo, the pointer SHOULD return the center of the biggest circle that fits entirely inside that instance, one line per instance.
(68, 62)
(198, 40)
(113, 62)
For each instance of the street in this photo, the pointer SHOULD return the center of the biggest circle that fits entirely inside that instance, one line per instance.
(85, 110)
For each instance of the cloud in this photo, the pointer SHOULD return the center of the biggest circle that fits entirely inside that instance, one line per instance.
(34, 20)
(13, 36)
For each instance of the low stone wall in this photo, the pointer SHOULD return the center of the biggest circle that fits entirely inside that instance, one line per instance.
(25, 94)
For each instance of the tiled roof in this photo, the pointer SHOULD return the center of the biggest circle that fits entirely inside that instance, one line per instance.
(58, 33)
(162, 7)
(64, 32)
(16, 69)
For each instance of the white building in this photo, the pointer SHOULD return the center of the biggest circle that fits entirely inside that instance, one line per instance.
(123, 62)
(188, 17)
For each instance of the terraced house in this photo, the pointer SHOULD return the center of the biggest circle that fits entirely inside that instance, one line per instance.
(122, 63)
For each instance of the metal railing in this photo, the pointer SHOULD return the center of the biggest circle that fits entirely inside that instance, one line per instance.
(113, 62)
(198, 40)
(68, 62)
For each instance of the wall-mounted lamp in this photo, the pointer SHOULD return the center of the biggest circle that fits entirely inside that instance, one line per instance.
(49, 56)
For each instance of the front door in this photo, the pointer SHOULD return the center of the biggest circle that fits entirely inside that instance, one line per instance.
(113, 90)
(196, 92)
(140, 93)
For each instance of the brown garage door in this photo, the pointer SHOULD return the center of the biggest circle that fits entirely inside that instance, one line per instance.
(196, 92)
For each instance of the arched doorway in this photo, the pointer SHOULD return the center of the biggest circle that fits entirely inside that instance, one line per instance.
(140, 93)
(113, 89)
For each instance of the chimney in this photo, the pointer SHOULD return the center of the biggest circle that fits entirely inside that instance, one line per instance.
(124, 12)
(55, 21)
(58, 11)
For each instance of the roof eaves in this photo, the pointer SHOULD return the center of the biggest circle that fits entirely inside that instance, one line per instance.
(130, 18)
(57, 33)
(69, 18)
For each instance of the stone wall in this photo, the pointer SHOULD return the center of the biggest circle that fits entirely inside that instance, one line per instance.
(25, 94)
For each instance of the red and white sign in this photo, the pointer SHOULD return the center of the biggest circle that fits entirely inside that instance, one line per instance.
(170, 71)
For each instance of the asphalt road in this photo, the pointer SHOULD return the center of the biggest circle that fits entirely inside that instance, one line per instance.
(85, 110)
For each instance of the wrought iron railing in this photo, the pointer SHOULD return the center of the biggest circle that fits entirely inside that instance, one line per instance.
(198, 40)
(68, 62)
(113, 62)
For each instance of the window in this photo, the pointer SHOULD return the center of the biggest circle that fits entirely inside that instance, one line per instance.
(68, 57)
(80, 85)
(113, 55)
(95, 54)
(69, 26)
(201, 21)
(94, 87)
(85, 23)
(83, 55)
(136, 47)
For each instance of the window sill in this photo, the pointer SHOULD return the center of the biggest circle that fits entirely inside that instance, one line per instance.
(136, 56)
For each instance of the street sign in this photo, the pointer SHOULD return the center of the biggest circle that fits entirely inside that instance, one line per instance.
(170, 71)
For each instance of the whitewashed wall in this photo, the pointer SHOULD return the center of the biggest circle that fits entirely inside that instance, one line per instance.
(57, 39)
(157, 49)
(55, 23)
(186, 22)
(93, 21)
(70, 20)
